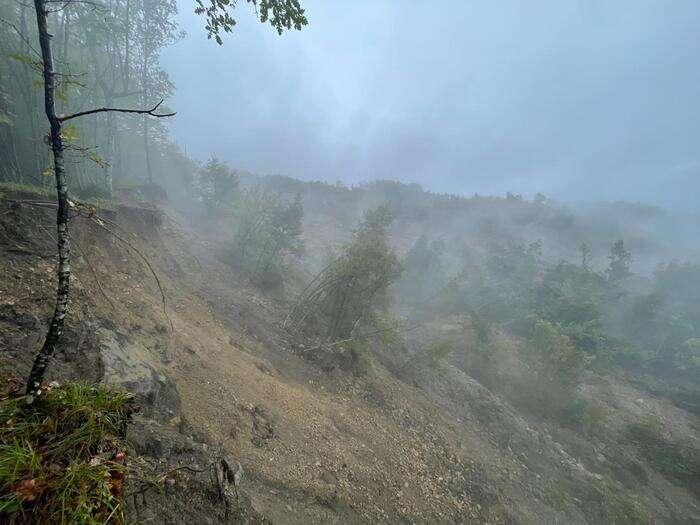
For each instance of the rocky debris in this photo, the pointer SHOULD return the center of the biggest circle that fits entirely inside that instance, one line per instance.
(328, 438)
(197, 486)
(127, 364)
(262, 429)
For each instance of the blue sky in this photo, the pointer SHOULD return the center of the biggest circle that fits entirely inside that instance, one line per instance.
(583, 100)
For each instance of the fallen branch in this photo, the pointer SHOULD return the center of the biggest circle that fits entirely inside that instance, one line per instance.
(363, 336)
(153, 483)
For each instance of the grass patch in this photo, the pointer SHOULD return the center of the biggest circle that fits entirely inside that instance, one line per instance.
(63, 460)
(98, 200)
(14, 188)
(673, 460)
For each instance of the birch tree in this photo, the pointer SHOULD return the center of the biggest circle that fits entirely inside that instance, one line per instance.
(281, 14)
(36, 375)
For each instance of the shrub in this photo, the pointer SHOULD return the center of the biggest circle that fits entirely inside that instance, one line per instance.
(353, 284)
(480, 359)
(554, 371)
(673, 460)
(583, 414)
(217, 185)
(268, 227)
(552, 357)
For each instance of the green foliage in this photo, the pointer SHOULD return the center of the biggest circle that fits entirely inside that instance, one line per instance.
(5, 119)
(481, 354)
(675, 461)
(388, 332)
(552, 357)
(361, 274)
(619, 262)
(617, 506)
(218, 187)
(500, 289)
(353, 283)
(582, 414)
(267, 229)
(572, 297)
(422, 270)
(602, 500)
(431, 356)
(437, 352)
(102, 61)
(281, 14)
(62, 459)
(554, 368)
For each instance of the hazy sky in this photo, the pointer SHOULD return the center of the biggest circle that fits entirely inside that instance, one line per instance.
(590, 99)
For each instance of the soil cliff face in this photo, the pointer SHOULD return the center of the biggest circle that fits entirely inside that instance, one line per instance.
(217, 375)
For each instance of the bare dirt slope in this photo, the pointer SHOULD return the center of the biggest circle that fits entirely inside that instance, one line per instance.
(317, 444)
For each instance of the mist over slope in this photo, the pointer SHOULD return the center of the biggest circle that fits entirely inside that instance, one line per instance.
(184, 341)
(437, 408)
(654, 234)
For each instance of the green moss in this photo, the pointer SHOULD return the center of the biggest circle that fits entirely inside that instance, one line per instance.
(62, 460)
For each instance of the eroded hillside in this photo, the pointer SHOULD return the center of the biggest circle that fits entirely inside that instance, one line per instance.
(319, 440)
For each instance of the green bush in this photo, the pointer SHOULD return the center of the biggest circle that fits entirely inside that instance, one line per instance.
(673, 460)
(583, 414)
(354, 284)
(268, 227)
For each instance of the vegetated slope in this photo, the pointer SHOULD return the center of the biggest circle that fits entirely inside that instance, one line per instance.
(652, 234)
(317, 443)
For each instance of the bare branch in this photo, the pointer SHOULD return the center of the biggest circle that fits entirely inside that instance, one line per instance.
(19, 33)
(151, 112)
(98, 220)
(94, 274)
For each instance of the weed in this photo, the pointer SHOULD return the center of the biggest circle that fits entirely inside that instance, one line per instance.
(62, 459)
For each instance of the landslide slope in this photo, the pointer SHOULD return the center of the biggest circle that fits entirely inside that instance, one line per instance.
(216, 374)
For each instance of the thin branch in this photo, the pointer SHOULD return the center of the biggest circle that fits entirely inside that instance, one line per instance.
(98, 221)
(150, 484)
(19, 33)
(151, 112)
(364, 336)
(94, 274)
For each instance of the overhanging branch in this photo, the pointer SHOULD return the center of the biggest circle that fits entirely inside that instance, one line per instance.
(151, 112)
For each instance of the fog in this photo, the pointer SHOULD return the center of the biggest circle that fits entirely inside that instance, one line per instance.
(414, 263)
(581, 100)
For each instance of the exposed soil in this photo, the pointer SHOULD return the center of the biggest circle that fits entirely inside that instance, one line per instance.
(316, 444)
